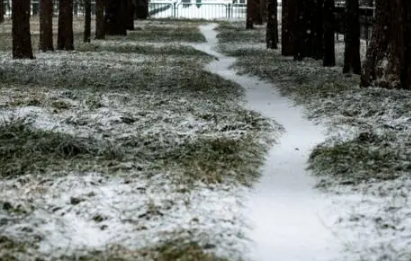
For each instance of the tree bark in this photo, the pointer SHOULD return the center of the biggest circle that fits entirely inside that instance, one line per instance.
(257, 14)
(388, 59)
(2, 9)
(87, 21)
(46, 25)
(22, 48)
(100, 32)
(352, 59)
(305, 41)
(142, 9)
(288, 21)
(116, 17)
(250, 15)
(329, 33)
(130, 15)
(65, 37)
(272, 25)
(263, 10)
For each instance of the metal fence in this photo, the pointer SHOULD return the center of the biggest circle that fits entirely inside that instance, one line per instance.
(197, 10)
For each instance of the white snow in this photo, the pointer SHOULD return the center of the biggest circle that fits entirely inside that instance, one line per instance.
(288, 214)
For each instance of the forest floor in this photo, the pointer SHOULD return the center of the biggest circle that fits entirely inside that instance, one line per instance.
(129, 149)
(124, 149)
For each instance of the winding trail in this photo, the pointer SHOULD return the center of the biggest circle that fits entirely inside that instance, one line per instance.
(288, 215)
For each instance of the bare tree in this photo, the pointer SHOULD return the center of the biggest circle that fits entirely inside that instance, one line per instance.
(272, 24)
(100, 31)
(388, 59)
(46, 25)
(87, 21)
(65, 37)
(352, 60)
(20, 11)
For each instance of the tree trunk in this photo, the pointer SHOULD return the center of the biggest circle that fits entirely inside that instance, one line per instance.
(100, 32)
(272, 25)
(116, 17)
(288, 23)
(65, 37)
(87, 21)
(352, 60)
(250, 17)
(46, 25)
(305, 41)
(388, 60)
(142, 9)
(329, 33)
(257, 15)
(318, 30)
(2, 9)
(22, 48)
(130, 15)
(263, 10)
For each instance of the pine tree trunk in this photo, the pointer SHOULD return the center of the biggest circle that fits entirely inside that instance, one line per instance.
(288, 20)
(388, 59)
(22, 48)
(352, 60)
(142, 9)
(318, 30)
(305, 36)
(272, 25)
(257, 15)
(65, 37)
(2, 9)
(249, 19)
(87, 21)
(100, 32)
(263, 10)
(116, 17)
(46, 25)
(130, 15)
(329, 32)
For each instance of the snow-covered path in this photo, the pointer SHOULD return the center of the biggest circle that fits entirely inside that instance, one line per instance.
(289, 216)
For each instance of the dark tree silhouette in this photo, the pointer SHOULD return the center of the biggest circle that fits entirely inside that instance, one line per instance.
(116, 17)
(250, 14)
(1, 11)
(87, 21)
(288, 29)
(142, 9)
(272, 24)
(352, 60)
(22, 48)
(46, 25)
(100, 31)
(65, 37)
(131, 9)
(329, 33)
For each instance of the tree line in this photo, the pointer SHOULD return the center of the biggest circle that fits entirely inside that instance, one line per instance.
(113, 17)
(308, 31)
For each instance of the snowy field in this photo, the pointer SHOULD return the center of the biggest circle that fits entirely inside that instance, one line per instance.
(125, 152)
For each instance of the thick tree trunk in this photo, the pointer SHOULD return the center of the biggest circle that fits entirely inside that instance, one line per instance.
(130, 15)
(65, 37)
(46, 25)
(272, 25)
(116, 17)
(352, 60)
(288, 23)
(263, 10)
(257, 14)
(250, 15)
(100, 32)
(142, 9)
(329, 32)
(388, 59)
(22, 48)
(306, 26)
(318, 30)
(87, 21)
(2, 9)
